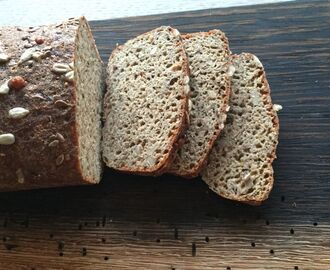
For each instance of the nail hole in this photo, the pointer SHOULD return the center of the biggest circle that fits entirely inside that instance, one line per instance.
(106, 258)
(103, 240)
(228, 268)
(282, 198)
(193, 249)
(315, 223)
(51, 235)
(61, 254)
(267, 222)
(296, 268)
(292, 231)
(253, 244)
(60, 245)
(84, 252)
(176, 234)
(271, 251)
(158, 240)
(207, 239)
(134, 233)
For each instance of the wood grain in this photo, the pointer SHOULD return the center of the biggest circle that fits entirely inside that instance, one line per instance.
(132, 222)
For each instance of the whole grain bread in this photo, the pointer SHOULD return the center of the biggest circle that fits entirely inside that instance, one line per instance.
(208, 54)
(51, 86)
(146, 102)
(240, 164)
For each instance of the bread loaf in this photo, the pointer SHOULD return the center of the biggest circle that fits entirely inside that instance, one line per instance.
(240, 164)
(146, 102)
(51, 84)
(208, 54)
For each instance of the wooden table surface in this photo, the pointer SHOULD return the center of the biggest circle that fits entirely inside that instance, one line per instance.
(132, 222)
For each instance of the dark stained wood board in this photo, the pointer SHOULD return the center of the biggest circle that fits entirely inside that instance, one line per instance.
(132, 222)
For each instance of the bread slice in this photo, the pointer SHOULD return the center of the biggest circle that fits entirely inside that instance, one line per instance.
(146, 102)
(240, 164)
(208, 54)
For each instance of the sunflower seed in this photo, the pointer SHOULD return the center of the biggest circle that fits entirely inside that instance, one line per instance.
(277, 107)
(27, 55)
(18, 112)
(59, 160)
(60, 68)
(231, 70)
(61, 104)
(69, 76)
(4, 58)
(36, 56)
(54, 143)
(60, 137)
(4, 88)
(176, 32)
(190, 104)
(7, 139)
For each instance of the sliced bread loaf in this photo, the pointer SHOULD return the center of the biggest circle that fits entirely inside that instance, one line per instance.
(51, 87)
(146, 102)
(240, 164)
(208, 54)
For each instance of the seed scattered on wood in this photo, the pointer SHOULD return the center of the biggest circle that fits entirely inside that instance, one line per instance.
(277, 107)
(17, 83)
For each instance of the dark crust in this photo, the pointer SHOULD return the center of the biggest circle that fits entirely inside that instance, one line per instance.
(195, 171)
(269, 105)
(31, 152)
(168, 158)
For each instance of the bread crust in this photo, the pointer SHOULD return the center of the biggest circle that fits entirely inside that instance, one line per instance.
(174, 142)
(195, 171)
(33, 161)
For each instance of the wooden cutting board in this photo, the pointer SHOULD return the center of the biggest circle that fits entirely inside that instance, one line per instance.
(132, 222)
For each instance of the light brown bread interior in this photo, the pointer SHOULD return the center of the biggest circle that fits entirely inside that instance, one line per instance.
(146, 102)
(89, 72)
(208, 54)
(240, 164)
